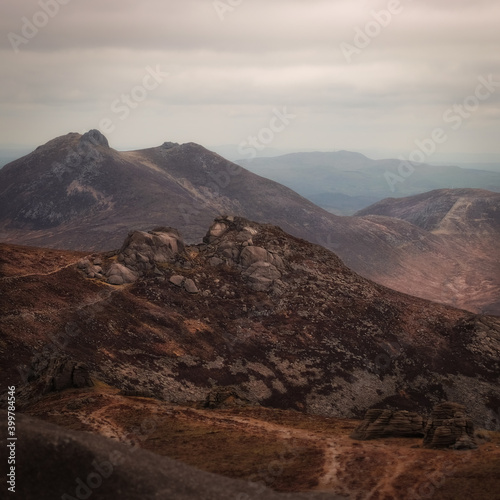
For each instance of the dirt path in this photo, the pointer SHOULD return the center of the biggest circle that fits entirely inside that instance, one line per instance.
(32, 275)
(327, 478)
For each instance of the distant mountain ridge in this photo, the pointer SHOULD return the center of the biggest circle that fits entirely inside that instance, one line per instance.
(77, 193)
(343, 182)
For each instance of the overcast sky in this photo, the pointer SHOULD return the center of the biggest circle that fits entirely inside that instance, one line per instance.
(370, 76)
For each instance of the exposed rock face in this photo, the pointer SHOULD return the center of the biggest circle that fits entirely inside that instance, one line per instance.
(388, 423)
(140, 255)
(141, 251)
(233, 242)
(120, 275)
(53, 374)
(449, 427)
(57, 374)
(95, 138)
(225, 397)
(169, 145)
(91, 269)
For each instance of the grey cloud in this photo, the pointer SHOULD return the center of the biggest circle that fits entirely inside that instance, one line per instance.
(233, 72)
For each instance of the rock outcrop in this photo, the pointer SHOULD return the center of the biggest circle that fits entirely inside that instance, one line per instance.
(232, 238)
(59, 373)
(388, 423)
(53, 374)
(225, 397)
(95, 138)
(119, 274)
(141, 254)
(92, 268)
(142, 251)
(449, 427)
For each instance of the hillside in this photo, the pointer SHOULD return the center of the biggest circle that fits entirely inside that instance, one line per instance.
(187, 448)
(467, 221)
(308, 344)
(282, 318)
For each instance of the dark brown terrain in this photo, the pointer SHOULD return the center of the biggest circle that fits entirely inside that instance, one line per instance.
(75, 192)
(308, 344)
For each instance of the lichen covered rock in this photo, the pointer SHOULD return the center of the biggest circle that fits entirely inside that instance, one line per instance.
(449, 427)
(388, 423)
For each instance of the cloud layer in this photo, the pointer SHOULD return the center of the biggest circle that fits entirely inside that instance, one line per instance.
(359, 75)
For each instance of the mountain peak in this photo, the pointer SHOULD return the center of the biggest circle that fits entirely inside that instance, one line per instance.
(94, 137)
(169, 145)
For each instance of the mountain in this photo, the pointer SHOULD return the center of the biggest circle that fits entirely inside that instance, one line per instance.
(242, 355)
(343, 182)
(467, 223)
(77, 193)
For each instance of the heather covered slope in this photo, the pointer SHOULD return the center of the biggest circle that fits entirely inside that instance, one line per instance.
(281, 318)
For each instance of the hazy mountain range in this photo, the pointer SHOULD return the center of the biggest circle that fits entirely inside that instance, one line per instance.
(343, 182)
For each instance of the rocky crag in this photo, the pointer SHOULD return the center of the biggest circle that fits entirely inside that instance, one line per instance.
(380, 423)
(450, 427)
